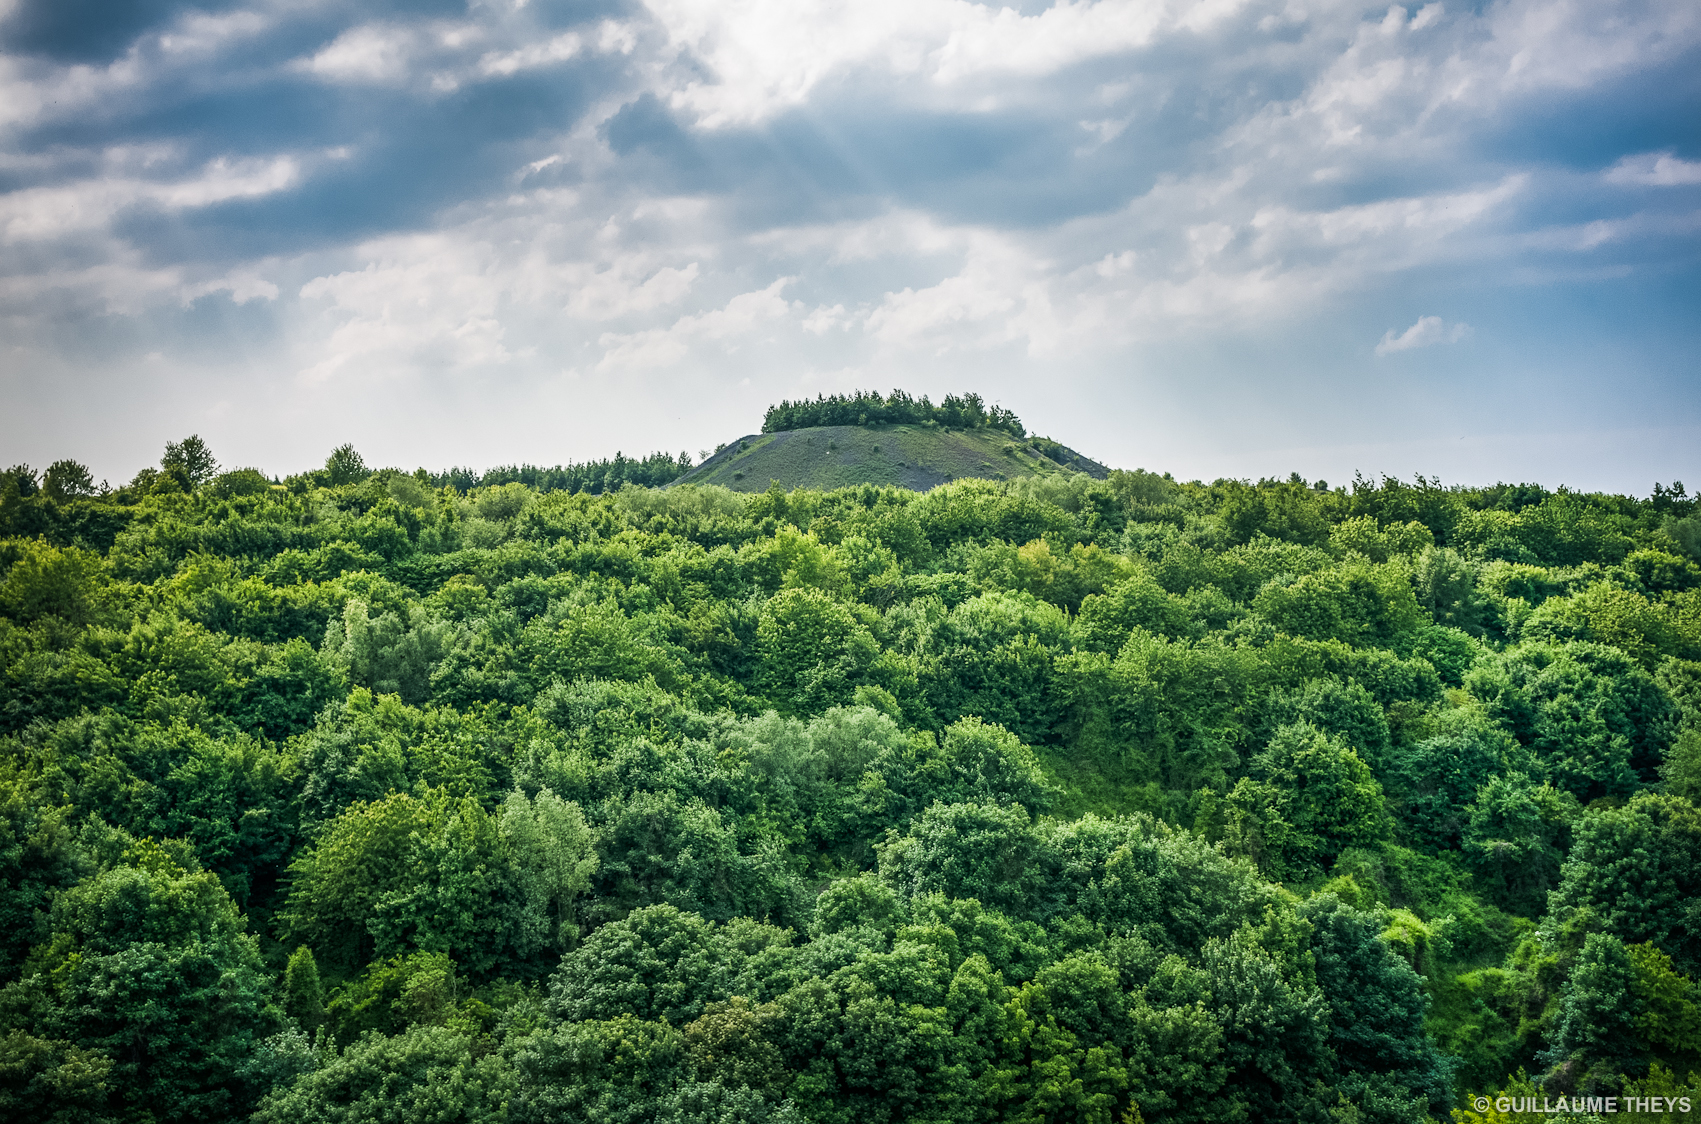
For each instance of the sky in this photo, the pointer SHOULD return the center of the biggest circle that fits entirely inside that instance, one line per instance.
(1210, 237)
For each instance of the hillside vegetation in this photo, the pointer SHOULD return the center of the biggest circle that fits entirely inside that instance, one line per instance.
(845, 440)
(900, 456)
(866, 407)
(352, 797)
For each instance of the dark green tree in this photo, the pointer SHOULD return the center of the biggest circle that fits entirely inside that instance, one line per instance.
(1635, 873)
(345, 466)
(147, 966)
(1516, 835)
(192, 459)
(1595, 1037)
(67, 480)
(1308, 798)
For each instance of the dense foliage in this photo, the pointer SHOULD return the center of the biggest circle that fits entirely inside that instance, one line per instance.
(867, 407)
(348, 797)
(596, 477)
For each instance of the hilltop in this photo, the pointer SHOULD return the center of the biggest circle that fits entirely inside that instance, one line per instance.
(917, 457)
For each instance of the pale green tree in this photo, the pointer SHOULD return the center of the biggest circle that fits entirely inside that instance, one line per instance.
(552, 850)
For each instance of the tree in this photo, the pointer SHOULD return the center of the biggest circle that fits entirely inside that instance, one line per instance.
(1107, 618)
(995, 657)
(46, 581)
(1275, 1024)
(1308, 798)
(733, 1043)
(623, 1070)
(1345, 710)
(290, 690)
(1377, 1004)
(658, 963)
(387, 654)
(1515, 838)
(1598, 723)
(986, 859)
(192, 459)
(53, 1081)
(427, 1073)
(1635, 873)
(1071, 1026)
(345, 466)
(393, 994)
(1446, 589)
(1355, 602)
(406, 872)
(813, 651)
(67, 480)
(20, 480)
(1669, 1019)
(303, 994)
(1434, 780)
(1598, 1013)
(551, 849)
(38, 857)
(978, 851)
(148, 967)
(1291, 512)
(659, 847)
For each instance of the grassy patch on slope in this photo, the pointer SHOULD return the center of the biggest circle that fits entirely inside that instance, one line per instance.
(840, 456)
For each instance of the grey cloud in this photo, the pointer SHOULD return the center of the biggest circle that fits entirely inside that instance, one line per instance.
(543, 195)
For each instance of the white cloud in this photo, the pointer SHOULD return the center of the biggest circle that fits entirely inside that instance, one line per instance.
(824, 320)
(1570, 44)
(768, 55)
(1655, 169)
(243, 286)
(1428, 330)
(200, 33)
(723, 329)
(559, 49)
(1115, 265)
(998, 296)
(370, 53)
(445, 55)
(28, 95)
(617, 291)
(422, 301)
(121, 285)
(1398, 229)
(41, 213)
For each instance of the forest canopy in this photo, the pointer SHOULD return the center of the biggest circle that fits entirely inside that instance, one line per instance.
(867, 407)
(550, 795)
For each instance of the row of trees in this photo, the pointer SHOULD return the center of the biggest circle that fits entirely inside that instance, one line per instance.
(348, 797)
(595, 477)
(188, 464)
(867, 407)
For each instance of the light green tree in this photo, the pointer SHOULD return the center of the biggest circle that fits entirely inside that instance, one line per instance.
(551, 848)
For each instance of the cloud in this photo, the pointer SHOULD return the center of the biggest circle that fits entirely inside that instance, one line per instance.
(243, 286)
(559, 49)
(676, 191)
(421, 301)
(1428, 330)
(1654, 169)
(51, 212)
(370, 53)
(614, 292)
(723, 328)
(768, 55)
